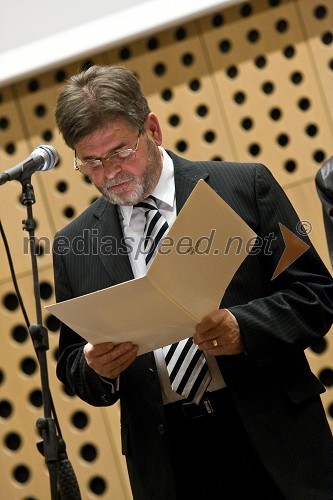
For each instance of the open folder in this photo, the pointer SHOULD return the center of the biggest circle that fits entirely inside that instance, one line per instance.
(187, 280)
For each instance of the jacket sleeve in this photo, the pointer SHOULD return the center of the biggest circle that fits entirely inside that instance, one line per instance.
(295, 309)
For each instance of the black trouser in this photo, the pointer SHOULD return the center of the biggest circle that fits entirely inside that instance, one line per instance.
(212, 455)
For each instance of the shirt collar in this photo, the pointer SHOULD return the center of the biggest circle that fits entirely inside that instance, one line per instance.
(164, 190)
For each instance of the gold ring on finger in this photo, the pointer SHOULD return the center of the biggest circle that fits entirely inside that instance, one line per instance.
(215, 343)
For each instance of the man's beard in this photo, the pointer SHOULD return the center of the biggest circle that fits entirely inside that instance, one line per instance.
(143, 186)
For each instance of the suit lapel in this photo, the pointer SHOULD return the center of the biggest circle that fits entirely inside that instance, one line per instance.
(187, 174)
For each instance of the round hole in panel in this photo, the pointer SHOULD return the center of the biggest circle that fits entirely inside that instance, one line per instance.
(253, 36)
(10, 148)
(209, 136)
(330, 410)
(181, 146)
(21, 473)
(47, 135)
(10, 301)
(40, 110)
(174, 120)
(247, 123)
(67, 390)
(12, 441)
(33, 85)
(260, 61)
(319, 347)
(245, 10)
(98, 485)
(6, 408)
(232, 71)
(160, 69)
(311, 129)
(88, 452)
(125, 53)
(225, 46)
(167, 95)
(152, 43)
(60, 76)
(327, 38)
(296, 77)
(290, 166)
(326, 377)
(36, 398)
(19, 333)
(275, 114)
(282, 26)
(194, 85)
(180, 34)
(320, 11)
(319, 156)
(4, 122)
(45, 290)
(55, 354)
(268, 88)
(188, 59)
(87, 64)
(217, 20)
(283, 140)
(304, 104)
(80, 419)
(254, 149)
(289, 51)
(62, 186)
(28, 365)
(239, 97)
(69, 212)
(52, 323)
(202, 110)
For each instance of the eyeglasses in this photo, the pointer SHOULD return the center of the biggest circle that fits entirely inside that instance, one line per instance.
(118, 158)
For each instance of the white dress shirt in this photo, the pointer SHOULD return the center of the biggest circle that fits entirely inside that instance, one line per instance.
(133, 222)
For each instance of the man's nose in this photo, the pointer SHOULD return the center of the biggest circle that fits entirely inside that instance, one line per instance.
(110, 169)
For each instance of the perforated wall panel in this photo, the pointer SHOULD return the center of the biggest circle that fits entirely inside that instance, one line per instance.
(252, 82)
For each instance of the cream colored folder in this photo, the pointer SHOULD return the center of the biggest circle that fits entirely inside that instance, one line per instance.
(187, 280)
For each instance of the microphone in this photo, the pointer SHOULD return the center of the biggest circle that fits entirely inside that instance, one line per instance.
(42, 158)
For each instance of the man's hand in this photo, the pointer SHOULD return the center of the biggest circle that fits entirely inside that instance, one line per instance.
(218, 333)
(109, 360)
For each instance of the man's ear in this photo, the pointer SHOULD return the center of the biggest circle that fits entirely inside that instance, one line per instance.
(153, 126)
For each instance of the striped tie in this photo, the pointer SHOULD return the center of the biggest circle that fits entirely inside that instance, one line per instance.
(155, 227)
(186, 364)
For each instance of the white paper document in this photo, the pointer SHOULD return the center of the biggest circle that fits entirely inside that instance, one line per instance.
(187, 280)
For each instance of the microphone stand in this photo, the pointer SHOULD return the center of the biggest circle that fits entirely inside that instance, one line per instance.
(52, 446)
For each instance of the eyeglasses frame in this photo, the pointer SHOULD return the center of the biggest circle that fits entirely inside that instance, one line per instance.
(108, 159)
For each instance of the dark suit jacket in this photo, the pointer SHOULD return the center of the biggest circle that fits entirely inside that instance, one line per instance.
(273, 387)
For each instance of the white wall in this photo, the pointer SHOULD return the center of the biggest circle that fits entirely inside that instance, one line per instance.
(37, 35)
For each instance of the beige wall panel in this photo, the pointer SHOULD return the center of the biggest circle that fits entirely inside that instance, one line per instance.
(191, 85)
(13, 139)
(181, 62)
(277, 70)
(102, 430)
(66, 193)
(317, 18)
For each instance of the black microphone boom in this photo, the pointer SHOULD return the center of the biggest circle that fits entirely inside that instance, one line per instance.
(42, 158)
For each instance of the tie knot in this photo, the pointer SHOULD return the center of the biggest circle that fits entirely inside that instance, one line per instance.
(148, 203)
